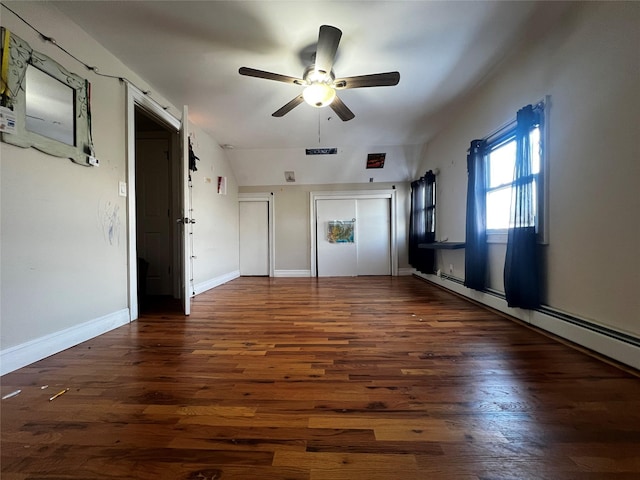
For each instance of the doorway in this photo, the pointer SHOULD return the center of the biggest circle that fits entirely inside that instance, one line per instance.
(157, 240)
(157, 205)
(181, 251)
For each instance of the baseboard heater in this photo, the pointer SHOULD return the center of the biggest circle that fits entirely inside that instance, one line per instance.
(565, 317)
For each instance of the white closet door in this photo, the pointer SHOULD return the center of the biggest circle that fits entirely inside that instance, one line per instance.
(254, 238)
(374, 236)
(335, 258)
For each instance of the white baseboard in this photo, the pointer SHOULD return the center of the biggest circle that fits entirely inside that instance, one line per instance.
(608, 346)
(215, 282)
(307, 273)
(292, 273)
(19, 356)
(403, 272)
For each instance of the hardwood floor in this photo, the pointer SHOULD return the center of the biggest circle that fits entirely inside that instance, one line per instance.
(322, 379)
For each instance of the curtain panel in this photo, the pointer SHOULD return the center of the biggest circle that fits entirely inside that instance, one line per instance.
(522, 262)
(422, 223)
(475, 259)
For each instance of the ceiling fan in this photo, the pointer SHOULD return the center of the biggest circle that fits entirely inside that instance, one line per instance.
(319, 80)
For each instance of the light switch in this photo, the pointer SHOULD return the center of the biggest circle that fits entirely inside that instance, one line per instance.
(122, 189)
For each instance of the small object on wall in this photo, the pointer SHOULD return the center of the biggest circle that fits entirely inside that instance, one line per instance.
(192, 159)
(290, 176)
(321, 151)
(7, 120)
(376, 160)
(222, 185)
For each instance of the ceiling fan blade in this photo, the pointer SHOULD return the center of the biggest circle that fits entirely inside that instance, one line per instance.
(387, 79)
(252, 72)
(328, 40)
(341, 109)
(288, 107)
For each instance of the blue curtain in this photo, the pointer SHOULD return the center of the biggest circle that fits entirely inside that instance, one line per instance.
(522, 263)
(422, 222)
(475, 259)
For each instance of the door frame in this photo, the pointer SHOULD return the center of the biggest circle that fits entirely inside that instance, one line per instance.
(263, 197)
(352, 195)
(135, 98)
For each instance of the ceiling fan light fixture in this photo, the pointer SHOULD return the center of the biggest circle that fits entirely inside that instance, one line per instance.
(319, 80)
(319, 94)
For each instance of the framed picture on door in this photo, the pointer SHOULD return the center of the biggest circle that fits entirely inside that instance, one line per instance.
(340, 231)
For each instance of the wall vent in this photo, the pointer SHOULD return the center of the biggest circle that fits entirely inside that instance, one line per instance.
(321, 151)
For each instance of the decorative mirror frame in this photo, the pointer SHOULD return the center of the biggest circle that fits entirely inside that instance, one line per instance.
(18, 57)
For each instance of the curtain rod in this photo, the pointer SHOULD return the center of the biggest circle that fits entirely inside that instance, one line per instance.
(512, 123)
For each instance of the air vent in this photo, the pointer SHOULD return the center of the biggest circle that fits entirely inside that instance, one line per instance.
(321, 151)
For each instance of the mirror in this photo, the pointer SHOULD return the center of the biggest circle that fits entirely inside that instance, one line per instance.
(49, 103)
(49, 106)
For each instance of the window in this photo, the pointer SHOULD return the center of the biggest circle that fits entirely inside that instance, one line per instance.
(500, 161)
(422, 222)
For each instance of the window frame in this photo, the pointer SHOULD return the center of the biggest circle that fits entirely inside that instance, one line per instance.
(501, 137)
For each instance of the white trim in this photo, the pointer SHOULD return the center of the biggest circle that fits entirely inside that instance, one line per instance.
(353, 195)
(406, 271)
(603, 344)
(215, 282)
(262, 197)
(136, 97)
(186, 274)
(19, 356)
(546, 168)
(292, 273)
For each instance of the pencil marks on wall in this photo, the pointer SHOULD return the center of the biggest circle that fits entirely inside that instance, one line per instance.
(110, 223)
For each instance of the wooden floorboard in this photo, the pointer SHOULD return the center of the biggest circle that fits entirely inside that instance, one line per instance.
(322, 379)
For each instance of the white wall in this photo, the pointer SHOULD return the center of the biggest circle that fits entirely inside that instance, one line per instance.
(292, 223)
(590, 66)
(400, 164)
(63, 226)
(216, 244)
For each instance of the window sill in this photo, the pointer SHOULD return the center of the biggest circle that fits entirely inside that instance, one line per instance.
(497, 236)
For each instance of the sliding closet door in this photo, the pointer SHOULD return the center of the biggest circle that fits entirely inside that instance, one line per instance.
(374, 236)
(337, 255)
(353, 237)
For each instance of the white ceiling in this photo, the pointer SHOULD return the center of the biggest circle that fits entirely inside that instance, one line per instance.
(190, 52)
